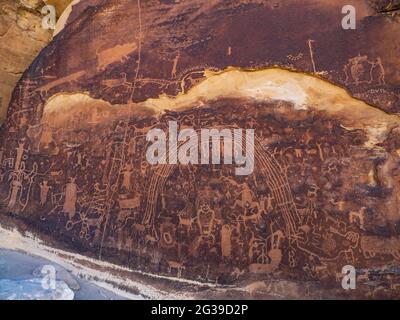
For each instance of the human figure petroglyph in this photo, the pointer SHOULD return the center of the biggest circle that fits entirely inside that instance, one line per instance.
(254, 217)
(358, 215)
(71, 194)
(127, 175)
(175, 65)
(20, 151)
(373, 246)
(381, 71)
(20, 189)
(254, 243)
(226, 241)
(205, 217)
(131, 146)
(269, 261)
(226, 237)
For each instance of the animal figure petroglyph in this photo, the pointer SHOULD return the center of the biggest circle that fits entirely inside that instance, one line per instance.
(372, 246)
(67, 79)
(131, 203)
(184, 221)
(274, 255)
(115, 83)
(139, 229)
(119, 53)
(176, 265)
(148, 239)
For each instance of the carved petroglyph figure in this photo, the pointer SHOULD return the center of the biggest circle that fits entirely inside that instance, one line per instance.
(175, 65)
(18, 157)
(274, 256)
(360, 70)
(126, 176)
(246, 196)
(205, 218)
(15, 192)
(226, 241)
(43, 90)
(358, 215)
(115, 83)
(71, 193)
(185, 222)
(126, 203)
(115, 54)
(86, 223)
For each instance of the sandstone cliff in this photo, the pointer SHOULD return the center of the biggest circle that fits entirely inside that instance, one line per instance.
(21, 39)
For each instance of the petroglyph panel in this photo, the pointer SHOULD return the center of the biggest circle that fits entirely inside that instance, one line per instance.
(324, 191)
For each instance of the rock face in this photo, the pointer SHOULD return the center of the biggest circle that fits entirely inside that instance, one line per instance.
(22, 37)
(322, 102)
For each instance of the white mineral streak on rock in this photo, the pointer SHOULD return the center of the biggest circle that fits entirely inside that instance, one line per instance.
(304, 92)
